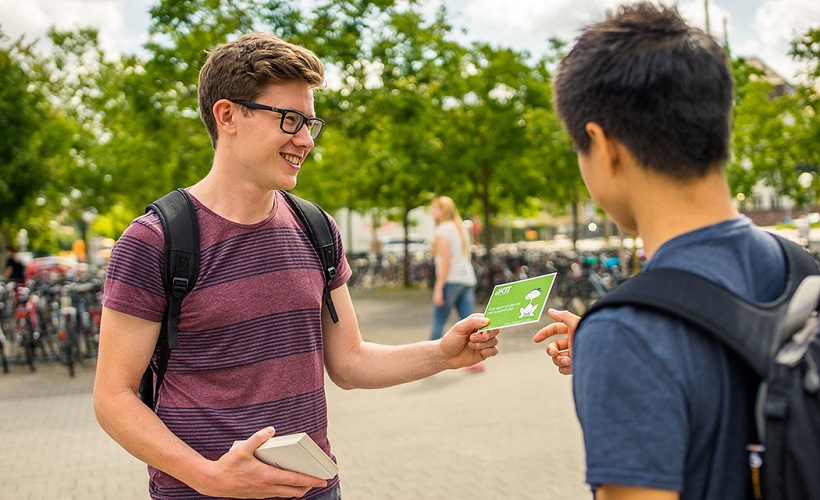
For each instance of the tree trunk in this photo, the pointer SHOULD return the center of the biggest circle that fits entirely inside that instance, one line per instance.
(489, 240)
(405, 266)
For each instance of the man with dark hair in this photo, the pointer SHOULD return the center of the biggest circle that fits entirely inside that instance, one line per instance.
(254, 337)
(664, 407)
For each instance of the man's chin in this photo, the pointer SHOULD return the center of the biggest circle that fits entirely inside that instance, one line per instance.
(287, 184)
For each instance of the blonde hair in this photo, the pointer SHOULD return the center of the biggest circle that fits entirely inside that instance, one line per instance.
(449, 212)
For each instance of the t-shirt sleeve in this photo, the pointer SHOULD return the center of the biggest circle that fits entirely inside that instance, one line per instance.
(133, 283)
(632, 411)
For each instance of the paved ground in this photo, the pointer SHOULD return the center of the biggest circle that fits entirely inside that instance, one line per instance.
(509, 432)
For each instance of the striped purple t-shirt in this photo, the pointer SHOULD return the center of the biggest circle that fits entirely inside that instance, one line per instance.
(250, 331)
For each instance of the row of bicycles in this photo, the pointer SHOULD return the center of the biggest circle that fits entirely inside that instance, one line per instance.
(583, 277)
(387, 269)
(55, 319)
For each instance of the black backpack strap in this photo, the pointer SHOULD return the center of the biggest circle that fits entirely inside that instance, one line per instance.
(713, 308)
(180, 228)
(321, 237)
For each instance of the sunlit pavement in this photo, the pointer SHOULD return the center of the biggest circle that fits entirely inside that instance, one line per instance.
(507, 432)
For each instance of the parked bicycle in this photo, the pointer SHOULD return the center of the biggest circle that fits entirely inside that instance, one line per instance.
(55, 318)
(19, 326)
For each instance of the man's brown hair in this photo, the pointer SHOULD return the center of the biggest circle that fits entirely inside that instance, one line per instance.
(241, 69)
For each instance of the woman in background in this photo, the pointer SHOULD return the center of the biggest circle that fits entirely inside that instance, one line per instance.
(455, 278)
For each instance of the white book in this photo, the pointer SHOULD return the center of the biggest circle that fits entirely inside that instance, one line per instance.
(297, 453)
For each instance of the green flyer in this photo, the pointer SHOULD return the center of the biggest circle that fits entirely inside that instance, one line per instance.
(518, 302)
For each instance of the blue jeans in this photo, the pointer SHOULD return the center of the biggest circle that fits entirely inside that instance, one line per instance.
(458, 296)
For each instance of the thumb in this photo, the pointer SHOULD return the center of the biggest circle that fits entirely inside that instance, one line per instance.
(473, 322)
(257, 439)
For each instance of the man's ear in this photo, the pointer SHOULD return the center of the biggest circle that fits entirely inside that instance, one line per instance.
(225, 116)
(604, 145)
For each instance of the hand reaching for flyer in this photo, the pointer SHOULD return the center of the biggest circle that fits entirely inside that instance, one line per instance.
(560, 350)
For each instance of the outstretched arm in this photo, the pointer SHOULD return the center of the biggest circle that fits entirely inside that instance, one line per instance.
(353, 363)
(560, 349)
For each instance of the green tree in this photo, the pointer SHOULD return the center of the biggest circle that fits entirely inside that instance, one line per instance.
(36, 134)
(410, 165)
(551, 150)
(386, 115)
(774, 136)
(488, 144)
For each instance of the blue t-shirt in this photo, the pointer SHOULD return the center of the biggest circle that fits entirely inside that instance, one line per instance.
(661, 404)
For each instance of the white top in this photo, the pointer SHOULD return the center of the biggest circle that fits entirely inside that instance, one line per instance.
(461, 268)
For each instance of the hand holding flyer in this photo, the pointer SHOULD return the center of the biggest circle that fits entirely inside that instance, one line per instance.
(518, 302)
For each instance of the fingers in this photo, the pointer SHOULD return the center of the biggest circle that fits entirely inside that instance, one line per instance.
(549, 331)
(561, 358)
(485, 336)
(299, 481)
(297, 484)
(558, 351)
(566, 317)
(565, 324)
(557, 346)
(239, 474)
(485, 342)
(488, 352)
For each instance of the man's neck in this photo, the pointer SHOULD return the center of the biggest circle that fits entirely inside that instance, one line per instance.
(668, 209)
(233, 198)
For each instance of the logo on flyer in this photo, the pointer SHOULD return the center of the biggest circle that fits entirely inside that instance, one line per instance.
(529, 310)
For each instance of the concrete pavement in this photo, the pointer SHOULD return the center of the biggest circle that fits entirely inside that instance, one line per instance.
(508, 432)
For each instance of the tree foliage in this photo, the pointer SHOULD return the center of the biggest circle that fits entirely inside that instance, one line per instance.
(37, 134)
(774, 136)
(410, 114)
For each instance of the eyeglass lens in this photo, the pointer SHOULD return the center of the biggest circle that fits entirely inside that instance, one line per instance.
(293, 121)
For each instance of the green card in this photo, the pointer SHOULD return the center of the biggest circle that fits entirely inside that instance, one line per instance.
(519, 302)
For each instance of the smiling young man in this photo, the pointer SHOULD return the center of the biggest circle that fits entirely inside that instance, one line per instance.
(664, 407)
(254, 337)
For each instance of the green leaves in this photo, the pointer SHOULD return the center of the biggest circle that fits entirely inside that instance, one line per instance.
(32, 132)
(775, 133)
(410, 114)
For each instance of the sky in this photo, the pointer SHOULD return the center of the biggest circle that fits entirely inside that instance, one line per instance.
(761, 28)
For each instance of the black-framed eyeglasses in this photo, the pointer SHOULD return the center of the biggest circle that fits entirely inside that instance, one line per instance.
(292, 120)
